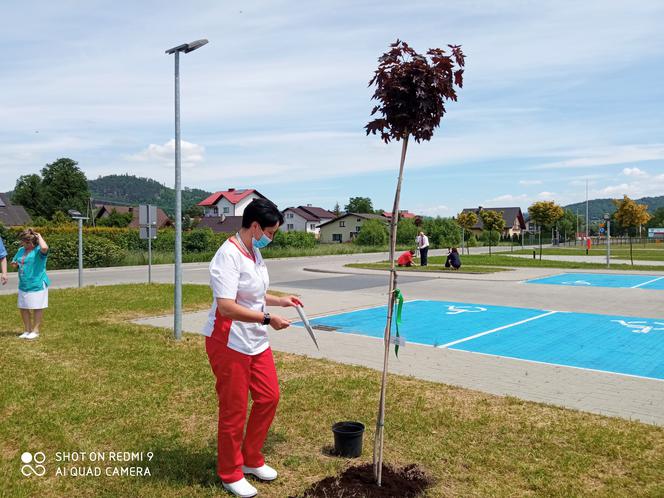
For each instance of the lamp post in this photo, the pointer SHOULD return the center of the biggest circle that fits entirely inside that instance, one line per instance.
(75, 215)
(186, 48)
(607, 218)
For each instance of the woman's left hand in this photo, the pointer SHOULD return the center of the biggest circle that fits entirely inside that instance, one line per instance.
(287, 301)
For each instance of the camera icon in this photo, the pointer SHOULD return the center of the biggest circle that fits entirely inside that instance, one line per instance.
(32, 464)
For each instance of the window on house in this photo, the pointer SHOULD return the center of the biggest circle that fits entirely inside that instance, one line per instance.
(290, 226)
(226, 210)
(342, 223)
(312, 226)
(357, 229)
(289, 215)
(359, 219)
(336, 237)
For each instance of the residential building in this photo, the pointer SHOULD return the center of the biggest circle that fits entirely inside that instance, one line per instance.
(12, 215)
(229, 202)
(228, 224)
(305, 219)
(514, 220)
(346, 227)
(104, 210)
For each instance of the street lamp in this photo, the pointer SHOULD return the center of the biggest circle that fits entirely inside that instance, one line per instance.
(607, 218)
(76, 215)
(186, 48)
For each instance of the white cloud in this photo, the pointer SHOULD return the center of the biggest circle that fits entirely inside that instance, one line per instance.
(514, 199)
(634, 172)
(546, 195)
(440, 210)
(530, 182)
(191, 153)
(608, 156)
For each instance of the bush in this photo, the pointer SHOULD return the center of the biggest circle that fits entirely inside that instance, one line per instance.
(97, 251)
(299, 240)
(406, 232)
(372, 233)
(495, 237)
(199, 240)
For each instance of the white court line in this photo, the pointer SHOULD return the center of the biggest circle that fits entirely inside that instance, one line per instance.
(497, 329)
(648, 282)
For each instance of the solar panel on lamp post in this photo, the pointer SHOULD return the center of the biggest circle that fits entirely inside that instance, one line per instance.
(186, 48)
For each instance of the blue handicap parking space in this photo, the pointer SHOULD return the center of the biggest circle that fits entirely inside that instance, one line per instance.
(652, 282)
(618, 344)
(428, 322)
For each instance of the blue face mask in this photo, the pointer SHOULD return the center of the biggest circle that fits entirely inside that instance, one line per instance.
(262, 242)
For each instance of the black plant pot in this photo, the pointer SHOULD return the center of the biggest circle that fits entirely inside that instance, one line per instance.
(348, 439)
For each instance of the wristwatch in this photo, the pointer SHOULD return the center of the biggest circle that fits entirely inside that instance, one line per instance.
(266, 319)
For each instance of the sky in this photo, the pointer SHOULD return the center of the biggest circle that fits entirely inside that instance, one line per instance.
(555, 93)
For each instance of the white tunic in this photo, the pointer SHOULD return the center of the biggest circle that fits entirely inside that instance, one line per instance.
(235, 275)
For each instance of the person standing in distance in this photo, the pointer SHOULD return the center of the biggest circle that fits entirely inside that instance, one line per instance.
(32, 281)
(238, 349)
(423, 246)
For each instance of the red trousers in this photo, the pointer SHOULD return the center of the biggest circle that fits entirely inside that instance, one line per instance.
(238, 374)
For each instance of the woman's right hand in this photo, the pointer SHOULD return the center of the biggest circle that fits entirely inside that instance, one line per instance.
(277, 322)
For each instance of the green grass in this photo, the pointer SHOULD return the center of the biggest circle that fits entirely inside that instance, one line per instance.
(516, 262)
(438, 268)
(94, 382)
(650, 253)
(135, 258)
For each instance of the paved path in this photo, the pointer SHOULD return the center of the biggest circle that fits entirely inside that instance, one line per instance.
(346, 290)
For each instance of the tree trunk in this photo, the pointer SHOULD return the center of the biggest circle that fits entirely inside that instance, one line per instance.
(380, 423)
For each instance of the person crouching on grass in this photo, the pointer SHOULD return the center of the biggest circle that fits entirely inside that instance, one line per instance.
(32, 281)
(238, 349)
(406, 259)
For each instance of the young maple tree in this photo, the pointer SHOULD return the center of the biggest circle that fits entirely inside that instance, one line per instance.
(411, 90)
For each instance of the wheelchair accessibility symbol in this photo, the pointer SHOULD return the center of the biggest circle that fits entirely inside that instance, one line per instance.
(37, 469)
(577, 282)
(641, 326)
(455, 310)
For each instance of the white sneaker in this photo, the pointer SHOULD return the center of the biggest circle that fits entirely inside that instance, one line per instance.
(264, 473)
(240, 488)
(32, 335)
(23, 335)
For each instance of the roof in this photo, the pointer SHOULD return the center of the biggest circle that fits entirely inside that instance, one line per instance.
(302, 213)
(228, 224)
(12, 215)
(319, 212)
(162, 218)
(510, 215)
(402, 214)
(232, 195)
(366, 216)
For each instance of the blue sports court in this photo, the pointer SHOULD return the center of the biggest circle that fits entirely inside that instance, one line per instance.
(650, 282)
(617, 344)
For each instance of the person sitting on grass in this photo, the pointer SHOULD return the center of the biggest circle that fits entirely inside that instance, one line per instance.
(453, 259)
(406, 259)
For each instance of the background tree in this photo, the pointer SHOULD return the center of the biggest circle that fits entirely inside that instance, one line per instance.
(406, 232)
(194, 211)
(359, 205)
(545, 214)
(336, 209)
(64, 187)
(567, 224)
(411, 91)
(466, 220)
(372, 233)
(28, 193)
(493, 222)
(657, 219)
(631, 215)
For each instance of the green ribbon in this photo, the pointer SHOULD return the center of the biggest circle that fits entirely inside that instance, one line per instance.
(398, 302)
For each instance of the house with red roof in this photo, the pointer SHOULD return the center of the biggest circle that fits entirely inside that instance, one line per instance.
(305, 219)
(229, 202)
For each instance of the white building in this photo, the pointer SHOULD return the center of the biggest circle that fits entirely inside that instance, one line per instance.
(229, 202)
(305, 219)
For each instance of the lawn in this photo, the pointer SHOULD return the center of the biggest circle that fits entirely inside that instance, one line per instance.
(95, 382)
(653, 252)
(434, 268)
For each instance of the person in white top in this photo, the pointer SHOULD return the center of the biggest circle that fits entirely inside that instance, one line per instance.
(238, 349)
(423, 246)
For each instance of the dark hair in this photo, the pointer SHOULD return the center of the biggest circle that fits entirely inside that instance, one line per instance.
(264, 212)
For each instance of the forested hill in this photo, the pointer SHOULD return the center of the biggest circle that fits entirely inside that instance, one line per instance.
(597, 207)
(131, 190)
